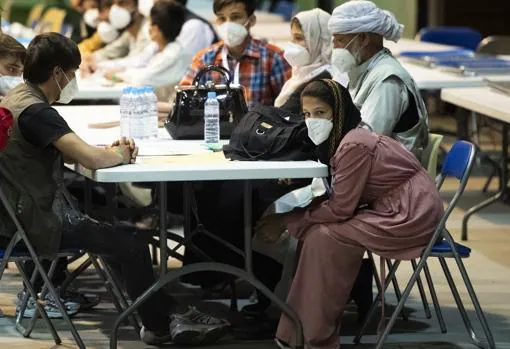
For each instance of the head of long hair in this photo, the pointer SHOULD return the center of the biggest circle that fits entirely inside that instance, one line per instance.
(345, 114)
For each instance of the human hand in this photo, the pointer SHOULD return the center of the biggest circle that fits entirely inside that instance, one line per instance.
(270, 228)
(112, 76)
(88, 66)
(128, 143)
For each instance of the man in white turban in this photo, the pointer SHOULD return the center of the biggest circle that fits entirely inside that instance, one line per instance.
(383, 91)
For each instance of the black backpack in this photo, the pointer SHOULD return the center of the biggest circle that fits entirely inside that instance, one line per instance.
(269, 133)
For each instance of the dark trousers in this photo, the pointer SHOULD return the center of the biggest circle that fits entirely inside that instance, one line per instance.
(127, 253)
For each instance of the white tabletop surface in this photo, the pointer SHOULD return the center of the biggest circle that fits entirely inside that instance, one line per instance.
(95, 87)
(79, 117)
(433, 79)
(414, 45)
(482, 100)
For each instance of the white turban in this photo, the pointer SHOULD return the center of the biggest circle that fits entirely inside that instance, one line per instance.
(361, 16)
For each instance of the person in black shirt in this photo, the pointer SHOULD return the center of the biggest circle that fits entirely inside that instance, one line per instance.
(31, 164)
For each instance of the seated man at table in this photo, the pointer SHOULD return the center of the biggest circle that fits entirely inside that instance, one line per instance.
(124, 16)
(12, 55)
(257, 66)
(31, 172)
(164, 62)
(383, 91)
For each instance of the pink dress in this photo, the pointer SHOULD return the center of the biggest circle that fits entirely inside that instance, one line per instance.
(403, 209)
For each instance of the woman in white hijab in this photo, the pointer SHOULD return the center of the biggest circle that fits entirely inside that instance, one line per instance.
(309, 54)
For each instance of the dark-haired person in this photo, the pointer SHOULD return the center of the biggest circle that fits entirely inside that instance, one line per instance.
(258, 66)
(12, 55)
(382, 200)
(197, 33)
(124, 16)
(31, 167)
(164, 62)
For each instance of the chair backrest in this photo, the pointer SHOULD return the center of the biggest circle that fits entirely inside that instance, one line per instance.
(458, 163)
(495, 45)
(430, 154)
(35, 15)
(455, 36)
(52, 20)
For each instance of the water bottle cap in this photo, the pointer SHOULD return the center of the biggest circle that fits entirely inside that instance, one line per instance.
(211, 94)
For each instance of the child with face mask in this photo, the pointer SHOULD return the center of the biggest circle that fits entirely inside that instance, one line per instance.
(257, 66)
(12, 55)
(309, 54)
(381, 199)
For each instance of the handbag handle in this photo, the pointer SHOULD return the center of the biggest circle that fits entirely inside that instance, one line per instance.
(226, 74)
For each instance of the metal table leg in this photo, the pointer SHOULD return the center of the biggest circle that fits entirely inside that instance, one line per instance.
(502, 184)
(246, 275)
(248, 252)
(163, 252)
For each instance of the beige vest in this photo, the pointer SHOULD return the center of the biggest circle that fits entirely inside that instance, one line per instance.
(379, 68)
(30, 176)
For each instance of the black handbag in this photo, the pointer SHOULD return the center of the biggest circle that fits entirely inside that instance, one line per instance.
(269, 133)
(186, 120)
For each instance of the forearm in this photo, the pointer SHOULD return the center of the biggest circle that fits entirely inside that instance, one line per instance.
(98, 158)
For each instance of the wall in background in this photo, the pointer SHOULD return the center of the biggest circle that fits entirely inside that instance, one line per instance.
(405, 11)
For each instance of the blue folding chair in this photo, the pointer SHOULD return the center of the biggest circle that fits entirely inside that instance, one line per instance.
(457, 164)
(455, 36)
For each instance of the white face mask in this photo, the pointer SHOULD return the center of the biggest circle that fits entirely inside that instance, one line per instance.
(69, 91)
(8, 82)
(145, 6)
(342, 59)
(91, 17)
(318, 129)
(107, 32)
(233, 33)
(119, 17)
(297, 55)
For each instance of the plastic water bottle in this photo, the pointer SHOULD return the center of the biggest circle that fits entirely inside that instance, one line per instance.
(152, 115)
(136, 125)
(125, 117)
(211, 119)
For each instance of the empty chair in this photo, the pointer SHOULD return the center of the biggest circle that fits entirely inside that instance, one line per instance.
(455, 36)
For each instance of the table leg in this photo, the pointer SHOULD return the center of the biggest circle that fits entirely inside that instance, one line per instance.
(163, 252)
(187, 192)
(248, 252)
(502, 185)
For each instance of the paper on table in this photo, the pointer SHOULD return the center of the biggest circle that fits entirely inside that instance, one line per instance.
(162, 148)
(203, 158)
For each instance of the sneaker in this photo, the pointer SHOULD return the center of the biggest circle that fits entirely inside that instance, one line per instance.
(50, 307)
(154, 337)
(195, 327)
(86, 301)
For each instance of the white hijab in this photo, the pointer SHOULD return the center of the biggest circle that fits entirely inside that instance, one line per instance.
(314, 24)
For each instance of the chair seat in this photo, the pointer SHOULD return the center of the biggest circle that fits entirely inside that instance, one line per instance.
(443, 248)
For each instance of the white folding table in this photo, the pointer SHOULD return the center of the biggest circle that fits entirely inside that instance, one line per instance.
(188, 173)
(495, 105)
